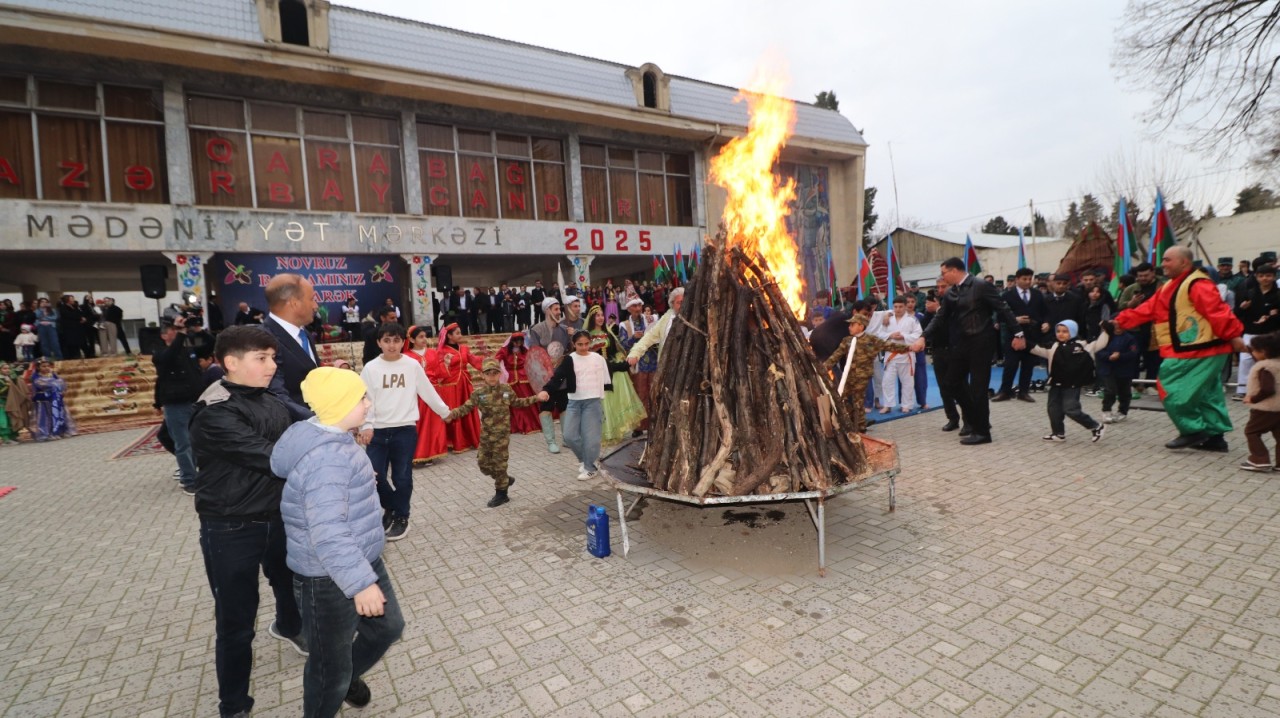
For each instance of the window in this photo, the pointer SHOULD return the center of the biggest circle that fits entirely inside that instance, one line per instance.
(650, 89)
(276, 156)
(81, 142)
(293, 23)
(621, 185)
(491, 175)
(651, 85)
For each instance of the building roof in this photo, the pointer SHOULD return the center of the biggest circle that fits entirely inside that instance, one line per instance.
(370, 37)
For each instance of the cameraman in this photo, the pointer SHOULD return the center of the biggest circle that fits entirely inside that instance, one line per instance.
(178, 386)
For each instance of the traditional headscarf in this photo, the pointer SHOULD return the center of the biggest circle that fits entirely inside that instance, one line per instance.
(502, 366)
(589, 325)
(445, 333)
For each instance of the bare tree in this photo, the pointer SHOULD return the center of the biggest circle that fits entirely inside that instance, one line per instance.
(1140, 171)
(1214, 62)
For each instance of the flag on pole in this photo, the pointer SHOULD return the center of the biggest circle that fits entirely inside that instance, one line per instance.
(657, 269)
(892, 277)
(560, 280)
(1124, 249)
(679, 265)
(1161, 232)
(697, 257)
(1022, 250)
(866, 279)
(971, 263)
(831, 277)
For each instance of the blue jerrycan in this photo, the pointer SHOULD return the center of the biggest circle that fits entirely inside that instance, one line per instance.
(597, 531)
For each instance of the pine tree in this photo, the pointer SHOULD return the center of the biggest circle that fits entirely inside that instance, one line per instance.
(1253, 198)
(827, 100)
(1090, 211)
(1072, 225)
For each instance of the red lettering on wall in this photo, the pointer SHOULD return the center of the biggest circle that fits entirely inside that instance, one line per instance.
(436, 168)
(551, 203)
(439, 197)
(515, 173)
(478, 200)
(139, 178)
(515, 200)
(331, 191)
(75, 171)
(653, 207)
(219, 150)
(624, 208)
(7, 173)
(277, 163)
(377, 165)
(477, 173)
(280, 193)
(593, 210)
(326, 158)
(221, 181)
(380, 190)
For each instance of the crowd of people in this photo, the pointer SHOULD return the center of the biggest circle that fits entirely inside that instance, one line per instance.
(67, 329)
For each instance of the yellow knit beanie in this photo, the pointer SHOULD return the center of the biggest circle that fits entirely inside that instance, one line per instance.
(332, 393)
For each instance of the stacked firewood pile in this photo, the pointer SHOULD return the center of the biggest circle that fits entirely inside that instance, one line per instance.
(743, 406)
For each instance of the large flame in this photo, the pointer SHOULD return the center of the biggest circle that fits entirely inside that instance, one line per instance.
(759, 202)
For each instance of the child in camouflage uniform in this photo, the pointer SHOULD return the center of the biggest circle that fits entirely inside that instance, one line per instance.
(864, 361)
(495, 401)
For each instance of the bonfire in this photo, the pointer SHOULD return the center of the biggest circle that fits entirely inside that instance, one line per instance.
(743, 406)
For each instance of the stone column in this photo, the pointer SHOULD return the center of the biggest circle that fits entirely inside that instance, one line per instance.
(191, 269)
(420, 289)
(581, 264)
(177, 144)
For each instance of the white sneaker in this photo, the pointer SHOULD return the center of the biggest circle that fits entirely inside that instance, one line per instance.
(1108, 417)
(1117, 418)
(582, 473)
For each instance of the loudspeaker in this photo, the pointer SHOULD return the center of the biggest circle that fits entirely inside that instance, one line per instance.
(155, 280)
(444, 277)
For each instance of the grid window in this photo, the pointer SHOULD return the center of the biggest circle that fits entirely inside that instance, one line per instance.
(277, 156)
(491, 175)
(81, 142)
(621, 185)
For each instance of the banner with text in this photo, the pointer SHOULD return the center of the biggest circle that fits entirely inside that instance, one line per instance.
(370, 278)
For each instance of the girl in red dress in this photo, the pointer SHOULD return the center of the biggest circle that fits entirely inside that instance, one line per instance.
(513, 358)
(431, 428)
(447, 368)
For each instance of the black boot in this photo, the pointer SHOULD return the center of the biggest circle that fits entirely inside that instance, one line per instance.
(499, 498)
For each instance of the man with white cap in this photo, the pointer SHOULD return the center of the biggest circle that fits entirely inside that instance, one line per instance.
(573, 320)
(630, 331)
(657, 334)
(547, 341)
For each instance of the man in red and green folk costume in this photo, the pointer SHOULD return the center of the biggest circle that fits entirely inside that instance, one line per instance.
(1196, 332)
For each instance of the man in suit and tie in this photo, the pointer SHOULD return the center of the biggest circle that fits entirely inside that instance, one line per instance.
(292, 304)
(1028, 306)
(966, 319)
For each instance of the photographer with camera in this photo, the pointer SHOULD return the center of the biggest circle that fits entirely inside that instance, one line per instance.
(178, 386)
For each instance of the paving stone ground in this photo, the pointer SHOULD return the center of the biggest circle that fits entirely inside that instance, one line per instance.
(1019, 578)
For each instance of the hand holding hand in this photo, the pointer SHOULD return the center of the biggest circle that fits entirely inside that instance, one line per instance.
(369, 602)
(885, 322)
(918, 346)
(632, 360)
(1018, 344)
(544, 396)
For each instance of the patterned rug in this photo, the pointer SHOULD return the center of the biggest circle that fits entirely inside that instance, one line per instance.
(146, 445)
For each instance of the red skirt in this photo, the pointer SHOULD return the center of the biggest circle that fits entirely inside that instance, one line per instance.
(463, 434)
(524, 420)
(432, 443)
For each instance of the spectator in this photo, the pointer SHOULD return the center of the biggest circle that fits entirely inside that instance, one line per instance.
(178, 386)
(89, 327)
(292, 303)
(113, 322)
(248, 315)
(70, 328)
(1029, 308)
(1117, 368)
(1264, 402)
(1259, 311)
(10, 327)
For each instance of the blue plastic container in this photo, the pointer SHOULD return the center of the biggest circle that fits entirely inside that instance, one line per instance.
(597, 531)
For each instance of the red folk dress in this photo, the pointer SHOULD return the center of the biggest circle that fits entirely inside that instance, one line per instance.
(453, 384)
(431, 428)
(524, 420)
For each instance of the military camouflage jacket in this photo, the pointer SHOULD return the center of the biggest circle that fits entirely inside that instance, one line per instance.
(494, 403)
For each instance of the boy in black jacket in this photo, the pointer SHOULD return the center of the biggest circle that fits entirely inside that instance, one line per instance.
(236, 425)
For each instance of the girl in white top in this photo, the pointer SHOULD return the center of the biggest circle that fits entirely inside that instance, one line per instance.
(584, 374)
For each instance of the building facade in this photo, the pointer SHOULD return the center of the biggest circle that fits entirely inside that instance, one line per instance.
(233, 139)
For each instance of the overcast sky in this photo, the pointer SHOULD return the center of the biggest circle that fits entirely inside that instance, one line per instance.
(985, 104)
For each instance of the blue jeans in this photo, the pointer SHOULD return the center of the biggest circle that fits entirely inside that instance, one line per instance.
(581, 424)
(330, 620)
(233, 551)
(177, 419)
(393, 449)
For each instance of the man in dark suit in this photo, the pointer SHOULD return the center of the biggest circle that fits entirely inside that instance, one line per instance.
(1062, 303)
(966, 318)
(248, 315)
(292, 304)
(1028, 306)
(483, 303)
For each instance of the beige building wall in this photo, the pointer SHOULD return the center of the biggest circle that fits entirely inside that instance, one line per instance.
(1241, 236)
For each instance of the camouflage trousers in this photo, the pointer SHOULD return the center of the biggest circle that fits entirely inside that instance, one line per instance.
(855, 395)
(493, 457)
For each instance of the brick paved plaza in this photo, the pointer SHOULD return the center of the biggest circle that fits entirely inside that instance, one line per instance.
(1019, 578)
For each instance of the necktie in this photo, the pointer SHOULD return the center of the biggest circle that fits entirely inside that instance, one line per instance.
(306, 343)
(1026, 299)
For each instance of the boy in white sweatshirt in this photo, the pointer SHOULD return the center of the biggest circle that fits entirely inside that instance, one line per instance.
(390, 430)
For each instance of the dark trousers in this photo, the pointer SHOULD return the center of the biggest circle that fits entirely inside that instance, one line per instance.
(1020, 363)
(1116, 389)
(921, 380)
(330, 620)
(124, 338)
(1261, 422)
(1064, 401)
(969, 373)
(940, 367)
(233, 552)
(1151, 364)
(392, 449)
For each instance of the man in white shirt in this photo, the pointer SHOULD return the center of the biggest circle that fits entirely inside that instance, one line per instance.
(904, 329)
(657, 334)
(292, 303)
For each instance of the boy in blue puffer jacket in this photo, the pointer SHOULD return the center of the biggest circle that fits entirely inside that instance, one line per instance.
(333, 523)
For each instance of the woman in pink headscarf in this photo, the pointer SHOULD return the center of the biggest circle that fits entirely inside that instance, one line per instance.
(514, 360)
(448, 372)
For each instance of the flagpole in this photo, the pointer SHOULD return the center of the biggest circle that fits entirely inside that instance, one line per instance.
(1035, 259)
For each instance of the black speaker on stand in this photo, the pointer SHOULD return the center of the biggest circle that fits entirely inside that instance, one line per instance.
(155, 280)
(444, 277)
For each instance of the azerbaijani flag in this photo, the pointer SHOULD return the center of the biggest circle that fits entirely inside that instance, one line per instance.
(1022, 250)
(666, 269)
(831, 277)
(895, 274)
(866, 279)
(1161, 232)
(657, 269)
(697, 259)
(1124, 249)
(971, 263)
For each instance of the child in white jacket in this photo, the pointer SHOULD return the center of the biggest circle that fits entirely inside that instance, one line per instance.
(1071, 366)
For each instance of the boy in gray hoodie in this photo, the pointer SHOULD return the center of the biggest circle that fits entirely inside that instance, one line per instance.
(333, 523)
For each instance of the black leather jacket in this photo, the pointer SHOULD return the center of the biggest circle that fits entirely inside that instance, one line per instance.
(967, 310)
(232, 434)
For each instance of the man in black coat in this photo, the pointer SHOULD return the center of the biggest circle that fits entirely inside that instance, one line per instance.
(535, 300)
(1062, 303)
(966, 318)
(292, 303)
(114, 315)
(1028, 306)
(178, 386)
(483, 303)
